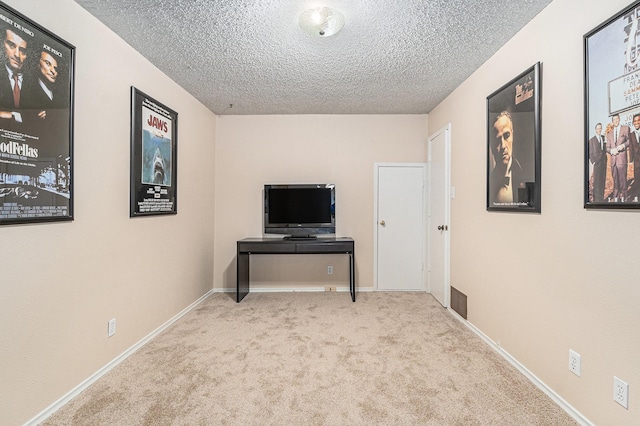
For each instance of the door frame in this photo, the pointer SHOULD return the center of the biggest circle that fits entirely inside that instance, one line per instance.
(447, 212)
(376, 219)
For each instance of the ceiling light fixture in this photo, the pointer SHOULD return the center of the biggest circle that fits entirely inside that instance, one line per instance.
(321, 21)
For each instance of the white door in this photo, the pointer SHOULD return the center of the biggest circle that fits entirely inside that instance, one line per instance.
(439, 202)
(400, 237)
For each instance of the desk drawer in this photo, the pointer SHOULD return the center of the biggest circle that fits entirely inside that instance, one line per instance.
(324, 247)
(266, 248)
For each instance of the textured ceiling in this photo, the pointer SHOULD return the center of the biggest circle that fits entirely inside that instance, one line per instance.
(391, 57)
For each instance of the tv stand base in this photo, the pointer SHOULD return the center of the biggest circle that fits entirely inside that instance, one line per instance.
(300, 238)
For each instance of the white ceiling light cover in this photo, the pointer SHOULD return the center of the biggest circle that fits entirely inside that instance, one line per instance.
(321, 21)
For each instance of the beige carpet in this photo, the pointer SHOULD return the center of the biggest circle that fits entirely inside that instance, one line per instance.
(314, 359)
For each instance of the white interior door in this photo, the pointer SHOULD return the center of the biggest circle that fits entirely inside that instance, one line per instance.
(400, 227)
(439, 204)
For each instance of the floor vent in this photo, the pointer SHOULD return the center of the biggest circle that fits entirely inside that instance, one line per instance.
(459, 302)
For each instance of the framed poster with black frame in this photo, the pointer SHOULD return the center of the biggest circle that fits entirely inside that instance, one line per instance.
(154, 142)
(36, 122)
(612, 112)
(513, 144)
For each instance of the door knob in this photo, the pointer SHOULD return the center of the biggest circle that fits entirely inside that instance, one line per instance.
(382, 222)
(442, 227)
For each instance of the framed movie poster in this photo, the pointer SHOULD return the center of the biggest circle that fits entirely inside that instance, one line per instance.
(154, 142)
(612, 112)
(36, 122)
(513, 144)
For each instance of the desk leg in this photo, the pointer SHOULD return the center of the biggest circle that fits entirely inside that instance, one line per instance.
(352, 276)
(242, 279)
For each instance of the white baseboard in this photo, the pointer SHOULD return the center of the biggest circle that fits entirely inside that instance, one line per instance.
(291, 289)
(527, 373)
(47, 412)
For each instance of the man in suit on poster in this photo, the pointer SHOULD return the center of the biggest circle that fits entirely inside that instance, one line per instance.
(43, 108)
(598, 156)
(14, 82)
(634, 156)
(506, 183)
(617, 146)
(45, 95)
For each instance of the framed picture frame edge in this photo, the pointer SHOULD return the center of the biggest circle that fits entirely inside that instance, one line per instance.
(137, 185)
(56, 180)
(589, 178)
(535, 203)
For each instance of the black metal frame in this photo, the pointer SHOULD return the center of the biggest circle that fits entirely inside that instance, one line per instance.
(604, 88)
(150, 198)
(36, 144)
(521, 99)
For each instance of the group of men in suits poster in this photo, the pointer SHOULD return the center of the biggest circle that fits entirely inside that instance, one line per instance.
(612, 89)
(614, 153)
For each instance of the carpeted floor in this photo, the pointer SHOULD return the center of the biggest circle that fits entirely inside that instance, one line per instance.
(314, 359)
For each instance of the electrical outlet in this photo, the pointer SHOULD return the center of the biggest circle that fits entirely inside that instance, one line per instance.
(621, 392)
(111, 330)
(329, 270)
(575, 362)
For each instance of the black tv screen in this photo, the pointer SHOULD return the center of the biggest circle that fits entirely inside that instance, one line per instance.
(299, 210)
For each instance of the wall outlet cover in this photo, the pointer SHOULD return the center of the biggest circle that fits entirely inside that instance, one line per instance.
(621, 392)
(575, 362)
(111, 329)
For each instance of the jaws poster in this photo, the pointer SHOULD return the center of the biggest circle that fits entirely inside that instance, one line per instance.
(153, 156)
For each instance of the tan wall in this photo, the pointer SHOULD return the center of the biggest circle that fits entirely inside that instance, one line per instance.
(255, 150)
(567, 278)
(62, 282)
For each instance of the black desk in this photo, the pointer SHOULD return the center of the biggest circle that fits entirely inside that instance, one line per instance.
(250, 246)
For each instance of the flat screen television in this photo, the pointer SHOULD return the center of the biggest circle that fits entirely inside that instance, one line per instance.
(300, 210)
